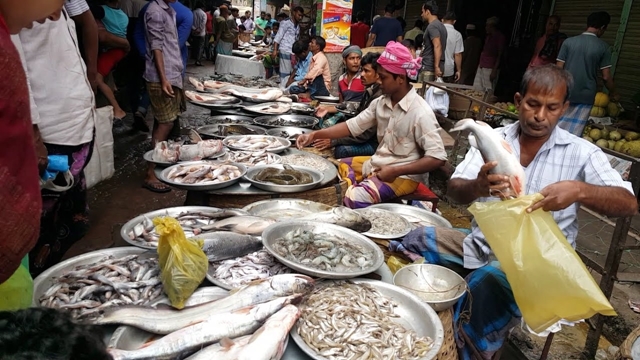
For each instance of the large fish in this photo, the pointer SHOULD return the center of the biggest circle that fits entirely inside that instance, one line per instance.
(494, 148)
(268, 342)
(224, 245)
(249, 225)
(226, 349)
(187, 340)
(165, 321)
(342, 216)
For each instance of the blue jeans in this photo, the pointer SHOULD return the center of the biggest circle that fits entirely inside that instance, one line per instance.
(316, 88)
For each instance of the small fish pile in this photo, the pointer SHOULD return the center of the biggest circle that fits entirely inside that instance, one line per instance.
(270, 108)
(285, 134)
(144, 231)
(253, 158)
(286, 122)
(254, 143)
(342, 320)
(323, 251)
(263, 308)
(384, 222)
(204, 174)
(110, 282)
(286, 176)
(306, 161)
(342, 216)
(245, 269)
(209, 98)
(172, 152)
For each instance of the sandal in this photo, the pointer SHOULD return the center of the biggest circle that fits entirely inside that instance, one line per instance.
(156, 187)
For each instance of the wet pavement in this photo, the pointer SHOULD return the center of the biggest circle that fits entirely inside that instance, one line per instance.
(120, 198)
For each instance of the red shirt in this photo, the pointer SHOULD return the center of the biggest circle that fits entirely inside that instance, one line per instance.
(351, 91)
(209, 26)
(20, 202)
(359, 34)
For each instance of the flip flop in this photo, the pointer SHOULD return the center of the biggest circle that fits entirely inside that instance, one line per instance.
(152, 186)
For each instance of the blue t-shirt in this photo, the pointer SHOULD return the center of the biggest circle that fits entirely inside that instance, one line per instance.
(386, 29)
(115, 21)
(584, 56)
(302, 68)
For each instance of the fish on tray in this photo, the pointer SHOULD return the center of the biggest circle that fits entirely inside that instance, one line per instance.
(228, 130)
(204, 174)
(323, 251)
(254, 143)
(342, 216)
(286, 176)
(209, 98)
(222, 245)
(253, 158)
(89, 289)
(207, 84)
(494, 148)
(172, 152)
(264, 94)
(243, 270)
(270, 108)
(248, 225)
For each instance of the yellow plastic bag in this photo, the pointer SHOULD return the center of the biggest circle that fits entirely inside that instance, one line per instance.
(183, 264)
(396, 264)
(548, 279)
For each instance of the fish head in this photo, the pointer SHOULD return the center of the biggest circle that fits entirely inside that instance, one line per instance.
(298, 284)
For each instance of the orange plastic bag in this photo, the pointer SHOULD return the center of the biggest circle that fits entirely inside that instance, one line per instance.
(183, 264)
(548, 279)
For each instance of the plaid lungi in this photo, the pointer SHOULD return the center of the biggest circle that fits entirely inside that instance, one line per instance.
(166, 109)
(575, 118)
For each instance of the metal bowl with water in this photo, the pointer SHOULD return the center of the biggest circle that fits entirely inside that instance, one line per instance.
(436, 285)
(316, 176)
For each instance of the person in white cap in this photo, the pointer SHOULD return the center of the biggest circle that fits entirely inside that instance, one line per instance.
(471, 55)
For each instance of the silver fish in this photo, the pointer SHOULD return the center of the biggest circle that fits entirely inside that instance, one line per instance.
(227, 245)
(243, 270)
(193, 337)
(249, 225)
(268, 342)
(226, 349)
(342, 216)
(165, 321)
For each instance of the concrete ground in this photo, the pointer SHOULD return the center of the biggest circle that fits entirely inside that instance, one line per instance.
(117, 200)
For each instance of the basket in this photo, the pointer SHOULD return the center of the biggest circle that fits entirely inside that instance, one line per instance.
(331, 195)
(458, 107)
(624, 353)
(448, 351)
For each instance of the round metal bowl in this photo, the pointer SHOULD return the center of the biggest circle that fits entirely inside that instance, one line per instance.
(229, 156)
(304, 109)
(285, 209)
(285, 143)
(214, 130)
(276, 231)
(148, 156)
(197, 187)
(406, 225)
(315, 174)
(228, 119)
(412, 314)
(290, 133)
(329, 99)
(414, 215)
(172, 211)
(45, 280)
(436, 285)
(300, 121)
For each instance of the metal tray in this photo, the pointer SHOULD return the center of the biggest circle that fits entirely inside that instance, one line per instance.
(292, 132)
(412, 313)
(172, 211)
(250, 101)
(148, 156)
(45, 280)
(196, 187)
(331, 99)
(315, 174)
(256, 109)
(416, 216)
(302, 108)
(285, 143)
(229, 105)
(212, 130)
(277, 230)
(299, 121)
(227, 157)
(284, 209)
(407, 225)
(229, 119)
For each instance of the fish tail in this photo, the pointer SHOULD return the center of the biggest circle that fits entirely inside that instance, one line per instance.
(463, 124)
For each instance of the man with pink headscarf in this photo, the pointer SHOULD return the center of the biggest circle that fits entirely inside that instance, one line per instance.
(407, 129)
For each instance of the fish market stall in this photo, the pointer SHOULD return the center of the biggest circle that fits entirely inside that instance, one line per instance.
(226, 64)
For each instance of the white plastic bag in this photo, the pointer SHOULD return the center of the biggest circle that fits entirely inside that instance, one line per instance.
(101, 165)
(438, 99)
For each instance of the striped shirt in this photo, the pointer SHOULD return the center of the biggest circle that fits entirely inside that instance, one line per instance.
(162, 34)
(563, 157)
(351, 90)
(76, 7)
(286, 36)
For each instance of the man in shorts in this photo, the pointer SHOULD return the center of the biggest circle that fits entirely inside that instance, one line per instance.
(163, 75)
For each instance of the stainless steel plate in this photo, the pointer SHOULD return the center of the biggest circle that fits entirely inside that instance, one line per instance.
(260, 108)
(331, 99)
(316, 175)
(229, 119)
(172, 211)
(416, 216)
(45, 280)
(399, 219)
(229, 105)
(302, 108)
(214, 130)
(276, 231)
(412, 314)
(148, 156)
(229, 157)
(284, 209)
(285, 143)
(196, 187)
(299, 121)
